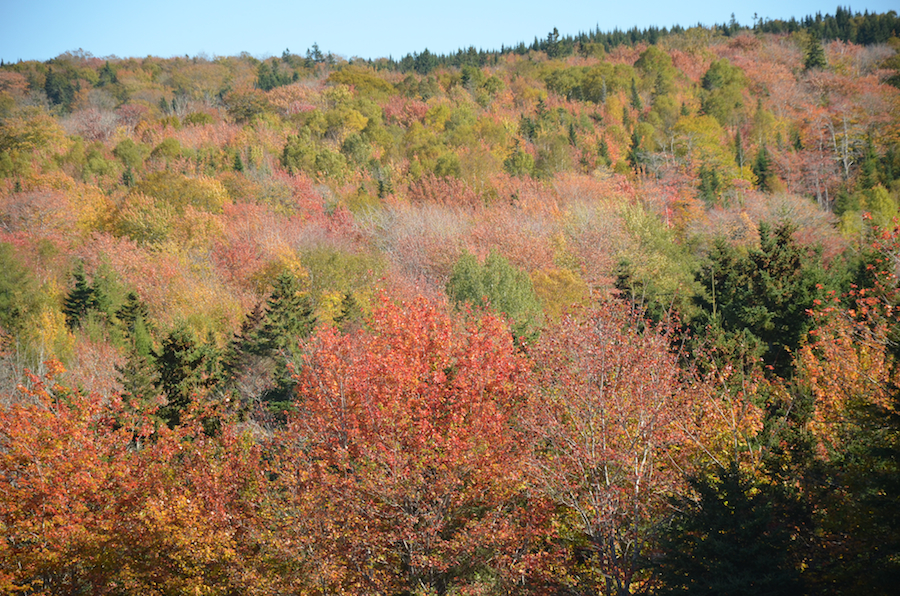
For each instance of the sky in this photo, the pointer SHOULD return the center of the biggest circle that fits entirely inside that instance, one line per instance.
(44, 29)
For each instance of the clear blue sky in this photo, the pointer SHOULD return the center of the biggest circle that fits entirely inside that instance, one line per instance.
(43, 29)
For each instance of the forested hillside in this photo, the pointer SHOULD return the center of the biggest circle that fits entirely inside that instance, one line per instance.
(603, 314)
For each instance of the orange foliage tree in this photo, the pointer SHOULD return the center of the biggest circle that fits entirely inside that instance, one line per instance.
(399, 470)
(94, 499)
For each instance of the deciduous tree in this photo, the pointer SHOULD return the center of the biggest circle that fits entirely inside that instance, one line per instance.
(401, 458)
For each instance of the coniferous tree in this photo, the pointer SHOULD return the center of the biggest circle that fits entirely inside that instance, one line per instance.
(603, 151)
(552, 45)
(759, 300)
(289, 315)
(875, 481)
(139, 376)
(636, 102)
(573, 138)
(815, 54)
(272, 340)
(80, 300)
(762, 169)
(709, 184)
(107, 75)
(183, 366)
(132, 312)
(636, 152)
(730, 541)
(59, 88)
(868, 170)
(349, 314)
(245, 344)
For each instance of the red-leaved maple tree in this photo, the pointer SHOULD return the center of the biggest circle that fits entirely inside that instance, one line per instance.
(400, 467)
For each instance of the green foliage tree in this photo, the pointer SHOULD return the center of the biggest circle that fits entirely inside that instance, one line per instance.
(730, 541)
(552, 45)
(59, 89)
(269, 76)
(268, 341)
(18, 290)
(760, 300)
(107, 75)
(603, 152)
(498, 285)
(868, 177)
(636, 102)
(186, 368)
(518, 162)
(762, 169)
(350, 313)
(656, 271)
(289, 315)
(710, 185)
(722, 96)
(130, 153)
(138, 375)
(425, 62)
(81, 299)
(133, 313)
(298, 154)
(814, 54)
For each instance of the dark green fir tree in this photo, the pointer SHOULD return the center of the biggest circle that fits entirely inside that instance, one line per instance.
(636, 102)
(81, 299)
(729, 541)
(762, 169)
(184, 369)
(815, 54)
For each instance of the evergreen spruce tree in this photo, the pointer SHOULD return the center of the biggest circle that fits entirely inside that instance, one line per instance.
(245, 344)
(59, 88)
(759, 300)
(139, 377)
(709, 185)
(603, 151)
(636, 152)
(868, 170)
(132, 312)
(815, 54)
(385, 187)
(553, 47)
(289, 315)
(636, 102)
(730, 541)
(181, 366)
(81, 299)
(349, 314)
(762, 169)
